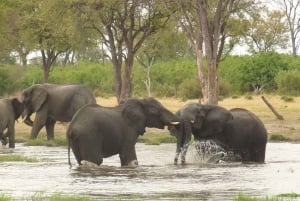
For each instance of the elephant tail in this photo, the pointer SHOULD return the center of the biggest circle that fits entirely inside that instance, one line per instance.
(69, 157)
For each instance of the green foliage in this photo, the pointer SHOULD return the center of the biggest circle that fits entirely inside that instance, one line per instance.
(244, 72)
(156, 139)
(44, 142)
(288, 82)
(5, 198)
(190, 89)
(287, 98)
(248, 97)
(278, 137)
(15, 158)
(261, 69)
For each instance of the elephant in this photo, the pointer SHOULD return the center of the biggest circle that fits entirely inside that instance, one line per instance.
(53, 103)
(237, 130)
(97, 132)
(10, 110)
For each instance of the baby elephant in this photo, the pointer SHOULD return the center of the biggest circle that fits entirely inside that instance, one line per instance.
(97, 132)
(10, 110)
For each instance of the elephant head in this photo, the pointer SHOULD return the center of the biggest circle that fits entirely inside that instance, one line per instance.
(203, 121)
(33, 98)
(147, 112)
(18, 107)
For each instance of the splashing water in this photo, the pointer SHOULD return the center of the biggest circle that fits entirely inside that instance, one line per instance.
(208, 151)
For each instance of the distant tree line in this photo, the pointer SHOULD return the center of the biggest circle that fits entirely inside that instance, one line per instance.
(138, 37)
(271, 72)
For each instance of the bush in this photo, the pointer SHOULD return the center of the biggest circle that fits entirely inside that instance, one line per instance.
(189, 89)
(288, 82)
(287, 99)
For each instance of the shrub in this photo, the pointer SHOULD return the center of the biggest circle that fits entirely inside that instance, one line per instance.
(288, 82)
(189, 89)
(287, 99)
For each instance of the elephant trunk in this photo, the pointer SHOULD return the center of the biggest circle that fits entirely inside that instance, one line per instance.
(26, 116)
(184, 139)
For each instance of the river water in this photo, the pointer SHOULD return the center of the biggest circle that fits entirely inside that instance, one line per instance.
(155, 178)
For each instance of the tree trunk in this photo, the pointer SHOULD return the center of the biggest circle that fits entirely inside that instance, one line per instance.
(212, 82)
(126, 90)
(117, 80)
(201, 74)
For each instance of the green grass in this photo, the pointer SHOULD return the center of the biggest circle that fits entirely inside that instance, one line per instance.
(281, 197)
(157, 139)
(279, 138)
(16, 158)
(44, 142)
(5, 198)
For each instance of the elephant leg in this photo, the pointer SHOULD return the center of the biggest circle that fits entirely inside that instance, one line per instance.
(39, 122)
(183, 152)
(87, 148)
(11, 136)
(176, 156)
(128, 156)
(257, 154)
(50, 128)
(3, 139)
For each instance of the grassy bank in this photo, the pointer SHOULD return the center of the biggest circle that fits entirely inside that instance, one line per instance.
(278, 130)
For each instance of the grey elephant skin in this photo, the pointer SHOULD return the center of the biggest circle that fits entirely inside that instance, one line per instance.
(97, 132)
(10, 111)
(53, 103)
(237, 130)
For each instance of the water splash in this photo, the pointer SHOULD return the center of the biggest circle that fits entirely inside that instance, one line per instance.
(208, 151)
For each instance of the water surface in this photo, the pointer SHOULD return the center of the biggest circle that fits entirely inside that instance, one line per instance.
(156, 177)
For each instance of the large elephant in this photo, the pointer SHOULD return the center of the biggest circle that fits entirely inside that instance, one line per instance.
(10, 111)
(97, 132)
(237, 130)
(53, 103)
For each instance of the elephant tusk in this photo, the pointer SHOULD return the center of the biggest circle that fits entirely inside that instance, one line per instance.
(175, 123)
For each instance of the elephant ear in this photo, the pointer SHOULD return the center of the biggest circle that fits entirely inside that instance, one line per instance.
(38, 98)
(18, 107)
(134, 115)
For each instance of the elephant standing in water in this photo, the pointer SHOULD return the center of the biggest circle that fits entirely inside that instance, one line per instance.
(237, 130)
(97, 132)
(53, 103)
(10, 111)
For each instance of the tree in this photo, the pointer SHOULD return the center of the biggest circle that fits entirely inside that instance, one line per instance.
(267, 33)
(291, 9)
(123, 26)
(206, 26)
(49, 27)
(164, 45)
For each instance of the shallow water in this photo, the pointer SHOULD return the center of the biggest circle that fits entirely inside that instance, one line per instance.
(156, 177)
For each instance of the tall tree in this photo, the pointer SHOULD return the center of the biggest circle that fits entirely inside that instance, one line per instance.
(165, 44)
(291, 9)
(267, 33)
(123, 25)
(49, 27)
(206, 24)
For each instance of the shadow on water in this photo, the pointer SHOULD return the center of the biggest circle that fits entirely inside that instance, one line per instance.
(155, 177)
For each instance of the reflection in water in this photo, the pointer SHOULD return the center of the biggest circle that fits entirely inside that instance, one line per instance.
(156, 177)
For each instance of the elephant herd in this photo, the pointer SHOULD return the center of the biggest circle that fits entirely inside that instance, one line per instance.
(96, 132)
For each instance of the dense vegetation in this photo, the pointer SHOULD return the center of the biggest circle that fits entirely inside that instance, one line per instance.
(275, 73)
